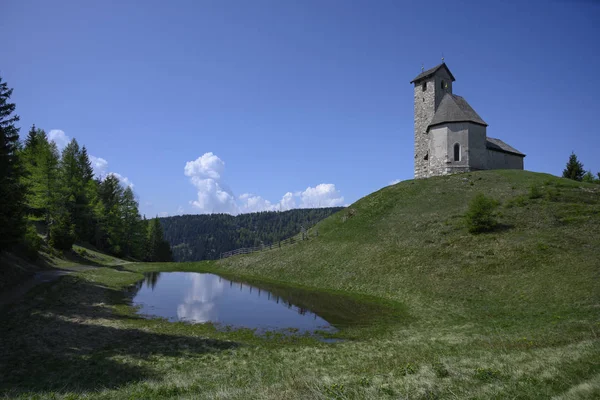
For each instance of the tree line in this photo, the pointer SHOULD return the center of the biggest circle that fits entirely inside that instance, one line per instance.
(52, 196)
(205, 237)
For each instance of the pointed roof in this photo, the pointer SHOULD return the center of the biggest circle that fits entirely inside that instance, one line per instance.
(454, 108)
(429, 72)
(499, 145)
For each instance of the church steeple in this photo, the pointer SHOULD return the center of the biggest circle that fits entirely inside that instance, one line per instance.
(430, 86)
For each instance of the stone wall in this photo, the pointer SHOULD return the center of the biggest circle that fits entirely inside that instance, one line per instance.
(470, 137)
(424, 109)
(425, 103)
(502, 160)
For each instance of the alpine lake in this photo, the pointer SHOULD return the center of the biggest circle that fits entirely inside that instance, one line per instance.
(265, 308)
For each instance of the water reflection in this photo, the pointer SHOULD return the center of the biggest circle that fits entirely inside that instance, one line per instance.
(199, 298)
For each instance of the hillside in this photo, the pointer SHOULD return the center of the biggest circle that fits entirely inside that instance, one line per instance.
(443, 313)
(521, 302)
(205, 237)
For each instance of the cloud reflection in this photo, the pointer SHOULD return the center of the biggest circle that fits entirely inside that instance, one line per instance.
(200, 300)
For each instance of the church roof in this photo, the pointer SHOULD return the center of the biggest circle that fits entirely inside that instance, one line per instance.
(454, 108)
(499, 145)
(429, 72)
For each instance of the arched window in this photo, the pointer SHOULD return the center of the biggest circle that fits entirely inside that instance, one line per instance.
(457, 152)
(443, 85)
(424, 86)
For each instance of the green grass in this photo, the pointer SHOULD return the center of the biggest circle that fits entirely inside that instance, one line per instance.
(513, 313)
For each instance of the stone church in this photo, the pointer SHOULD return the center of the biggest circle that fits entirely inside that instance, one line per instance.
(450, 136)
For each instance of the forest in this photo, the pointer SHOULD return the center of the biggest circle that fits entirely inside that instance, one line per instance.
(205, 237)
(52, 198)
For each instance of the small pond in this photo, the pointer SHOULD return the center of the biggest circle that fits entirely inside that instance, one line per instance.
(202, 297)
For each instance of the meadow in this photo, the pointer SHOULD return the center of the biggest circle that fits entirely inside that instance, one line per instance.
(513, 313)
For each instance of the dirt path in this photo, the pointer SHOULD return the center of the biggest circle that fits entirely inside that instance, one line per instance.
(16, 293)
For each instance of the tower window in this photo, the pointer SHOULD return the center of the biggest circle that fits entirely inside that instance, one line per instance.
(457, 152)
(443, 84)
(424, 86)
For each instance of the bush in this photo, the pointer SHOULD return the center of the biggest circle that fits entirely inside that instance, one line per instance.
(31, 243)
(481, 215)
(535, 192)
(62, 233)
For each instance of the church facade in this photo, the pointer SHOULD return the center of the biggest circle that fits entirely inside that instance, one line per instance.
(450, 136)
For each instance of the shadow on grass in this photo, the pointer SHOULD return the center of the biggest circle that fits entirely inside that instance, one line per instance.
(61, 340)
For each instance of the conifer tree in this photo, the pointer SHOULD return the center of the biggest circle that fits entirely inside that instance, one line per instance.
(109, 214)
(42, 177)
(574, 169)
(12, 222)
(157, 248)
(134, 236)
(588, 177)
(74, 176)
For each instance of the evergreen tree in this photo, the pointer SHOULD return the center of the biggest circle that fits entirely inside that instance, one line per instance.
(157, 247)
(42, 177)
(109, 215)
(90, 192)
(134, 234)
(74, 180)
(588, 177)
(574, 169)
(12, 222)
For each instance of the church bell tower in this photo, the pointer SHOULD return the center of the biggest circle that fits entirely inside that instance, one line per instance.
(429, 89)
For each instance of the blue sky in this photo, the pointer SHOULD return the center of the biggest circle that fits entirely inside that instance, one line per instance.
(224, 105)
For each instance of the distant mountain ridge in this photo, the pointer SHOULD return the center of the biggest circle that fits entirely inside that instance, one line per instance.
(205, 236)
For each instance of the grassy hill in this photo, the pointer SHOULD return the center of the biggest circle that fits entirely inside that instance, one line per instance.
(509, 314)
(521, 302)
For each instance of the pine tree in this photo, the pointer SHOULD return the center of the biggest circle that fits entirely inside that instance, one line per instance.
(574, 169)
(588, 177)
(90, 189)
(133, 227)
(12, 221)
(74, 177)
(42, 177)
(157, 248)
(109, 215)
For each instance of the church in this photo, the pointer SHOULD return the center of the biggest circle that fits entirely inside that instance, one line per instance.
(450, 137)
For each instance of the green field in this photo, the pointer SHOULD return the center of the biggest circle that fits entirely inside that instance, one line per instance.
(514, 313)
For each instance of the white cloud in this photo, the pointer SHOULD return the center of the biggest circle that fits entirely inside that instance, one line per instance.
(123, 179)
(163, 214)
(180, 210)
(395, 181)
(251, 203)
(323, 195)
(208, 166)
(99, 164)
(59, 137)
(206, 173)
(287, 202)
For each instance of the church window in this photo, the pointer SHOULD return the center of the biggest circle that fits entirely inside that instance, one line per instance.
(426, 156)
(457, 152)
(443, 85)
(424, 86)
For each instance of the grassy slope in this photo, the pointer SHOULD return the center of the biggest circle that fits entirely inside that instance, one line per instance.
(15, 269)
(529, 291)
(511, 314)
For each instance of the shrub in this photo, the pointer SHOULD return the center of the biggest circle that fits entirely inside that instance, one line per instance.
(535, 192)
(481, 215)
(62, 233)
(31, 243)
